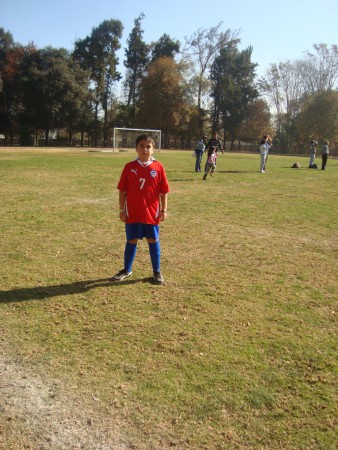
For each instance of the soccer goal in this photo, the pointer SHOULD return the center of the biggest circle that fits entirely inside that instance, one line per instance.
(125, 138)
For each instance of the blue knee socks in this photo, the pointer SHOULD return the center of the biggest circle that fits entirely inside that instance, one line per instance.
(155, 255)
(129, 256)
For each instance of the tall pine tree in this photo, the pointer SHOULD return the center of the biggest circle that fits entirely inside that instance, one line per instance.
(136, 63)
(232, 76)
(97, 53)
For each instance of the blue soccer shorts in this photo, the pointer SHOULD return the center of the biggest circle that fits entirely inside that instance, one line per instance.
(142, 230)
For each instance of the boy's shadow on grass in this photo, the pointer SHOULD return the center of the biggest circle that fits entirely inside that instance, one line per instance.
(78, 287)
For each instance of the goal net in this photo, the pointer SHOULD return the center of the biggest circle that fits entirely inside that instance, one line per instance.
(125, 138)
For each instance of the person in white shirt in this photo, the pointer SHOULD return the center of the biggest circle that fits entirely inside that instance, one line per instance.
(313, 148)
(264, 147)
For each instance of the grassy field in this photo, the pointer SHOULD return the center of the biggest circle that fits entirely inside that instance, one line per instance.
(236, 351)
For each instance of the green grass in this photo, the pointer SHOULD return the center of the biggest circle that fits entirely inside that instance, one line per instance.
(237, 350)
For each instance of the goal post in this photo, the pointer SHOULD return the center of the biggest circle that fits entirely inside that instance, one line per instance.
(125, 138)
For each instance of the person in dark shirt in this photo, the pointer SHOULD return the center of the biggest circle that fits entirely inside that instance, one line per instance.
(325, 154)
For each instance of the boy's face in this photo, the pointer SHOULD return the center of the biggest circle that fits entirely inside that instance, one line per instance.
(145, 149)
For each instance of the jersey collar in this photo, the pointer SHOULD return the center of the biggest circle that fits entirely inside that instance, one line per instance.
(146, 164)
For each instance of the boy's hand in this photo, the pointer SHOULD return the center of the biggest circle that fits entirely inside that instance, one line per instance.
(163, 215)
(123, 216)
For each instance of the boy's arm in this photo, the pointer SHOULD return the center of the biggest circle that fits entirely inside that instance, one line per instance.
(122, 203)
(163, 206)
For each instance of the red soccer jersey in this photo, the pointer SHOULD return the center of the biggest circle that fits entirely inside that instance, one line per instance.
(143, 186)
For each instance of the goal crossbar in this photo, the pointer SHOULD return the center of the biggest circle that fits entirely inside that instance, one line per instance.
(156, 134)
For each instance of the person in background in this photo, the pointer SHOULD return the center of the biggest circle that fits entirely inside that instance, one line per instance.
(325, 154)
(143, 190)
(199, 150)
(264, 147)
(313, 148)
(213, 142)
(268, 145)
(263, 153)
(211, 162)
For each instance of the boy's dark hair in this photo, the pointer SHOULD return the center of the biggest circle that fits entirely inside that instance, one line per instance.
(145, 137)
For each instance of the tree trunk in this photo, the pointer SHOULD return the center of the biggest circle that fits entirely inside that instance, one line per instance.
(46, 137)
(82, 133)
(70, 135)
(96, 131)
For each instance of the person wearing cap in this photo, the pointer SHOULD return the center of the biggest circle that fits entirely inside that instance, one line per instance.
(199, 150)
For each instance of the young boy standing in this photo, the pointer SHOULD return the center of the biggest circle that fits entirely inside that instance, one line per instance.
(143, 190)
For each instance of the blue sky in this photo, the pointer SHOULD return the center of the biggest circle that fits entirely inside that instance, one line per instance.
(277, 30)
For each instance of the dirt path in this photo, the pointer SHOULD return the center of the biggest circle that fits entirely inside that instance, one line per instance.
(39, 415)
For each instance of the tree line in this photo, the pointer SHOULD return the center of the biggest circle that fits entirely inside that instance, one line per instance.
(60, 97)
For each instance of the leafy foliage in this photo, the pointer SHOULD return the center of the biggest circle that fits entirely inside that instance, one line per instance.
(97, 53)
(163, 102)
(54, 88)
(215, 88)
(232, 76)
(136, 63)
(319, 117)
(165, 47)
(290, 85)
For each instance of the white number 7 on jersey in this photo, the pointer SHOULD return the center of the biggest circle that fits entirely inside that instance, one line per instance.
(142, 181)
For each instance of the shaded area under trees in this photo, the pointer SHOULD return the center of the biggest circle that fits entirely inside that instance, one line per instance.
(52, 96)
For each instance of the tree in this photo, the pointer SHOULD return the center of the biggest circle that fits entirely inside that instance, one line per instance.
(123, 117)
(319, 70)
(97, 53)
(6, 75)
(11, 105)
(257, 122)
(288, 85)
(163, 104)
(319, 118)
(6, 41)
(54, 89)
(164, 47)
(232, 77)
(284, 87)
(136, 63)
(201, 49)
